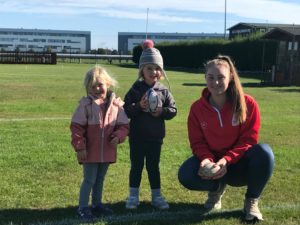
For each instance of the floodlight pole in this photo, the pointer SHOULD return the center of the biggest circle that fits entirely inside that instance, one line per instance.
(225, 20)
(147, 23)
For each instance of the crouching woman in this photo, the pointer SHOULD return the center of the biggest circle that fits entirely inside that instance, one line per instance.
(223, 128)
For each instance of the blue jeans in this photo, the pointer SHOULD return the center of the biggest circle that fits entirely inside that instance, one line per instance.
(93, 178)
(253, 170)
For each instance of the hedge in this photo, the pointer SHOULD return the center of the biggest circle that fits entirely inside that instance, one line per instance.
(251, 54)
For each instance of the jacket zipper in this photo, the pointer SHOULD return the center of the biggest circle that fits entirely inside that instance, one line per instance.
(219, 116)
(102, 135)
(103, 122)
(102, 144)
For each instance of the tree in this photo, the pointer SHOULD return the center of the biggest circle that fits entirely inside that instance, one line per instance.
(115, 52)
(49, 49)
(101, 51)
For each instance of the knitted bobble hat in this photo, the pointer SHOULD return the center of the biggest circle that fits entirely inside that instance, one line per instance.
(150, 55)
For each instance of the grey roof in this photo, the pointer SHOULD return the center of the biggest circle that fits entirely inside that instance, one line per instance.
(292, 30)
(265, 25)
(44, 31)
(283, 33)
(170, 34)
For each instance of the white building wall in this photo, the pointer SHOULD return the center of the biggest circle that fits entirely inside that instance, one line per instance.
(41, 40)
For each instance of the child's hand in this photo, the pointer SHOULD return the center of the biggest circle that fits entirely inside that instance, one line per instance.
(158, 112)
(144, 102)
(114, 140)
(81, 155)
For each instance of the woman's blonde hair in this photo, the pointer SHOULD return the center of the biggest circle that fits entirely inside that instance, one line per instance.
(98, 72)
(235, 90)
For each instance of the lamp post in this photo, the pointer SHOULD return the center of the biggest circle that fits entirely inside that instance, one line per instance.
(147, 23)
(225, 20)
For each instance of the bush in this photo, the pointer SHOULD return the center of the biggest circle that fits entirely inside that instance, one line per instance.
(252, 53)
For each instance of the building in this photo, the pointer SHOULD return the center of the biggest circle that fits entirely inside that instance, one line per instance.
(128, 40)
(37, 40)
(287, 68)
(246, 29)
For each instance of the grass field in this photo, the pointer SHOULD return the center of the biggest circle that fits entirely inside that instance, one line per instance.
(40, 177)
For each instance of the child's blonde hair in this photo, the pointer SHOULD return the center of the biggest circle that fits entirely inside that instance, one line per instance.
(235, 90)
(98, 72)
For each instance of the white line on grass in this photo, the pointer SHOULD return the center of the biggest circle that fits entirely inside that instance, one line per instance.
(33, 119)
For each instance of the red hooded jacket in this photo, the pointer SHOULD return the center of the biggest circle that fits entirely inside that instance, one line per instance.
(214, 134)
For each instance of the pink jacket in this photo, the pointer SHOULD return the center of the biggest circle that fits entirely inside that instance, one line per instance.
(91, 129)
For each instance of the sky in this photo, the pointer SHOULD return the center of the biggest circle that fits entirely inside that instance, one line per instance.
(105, 18)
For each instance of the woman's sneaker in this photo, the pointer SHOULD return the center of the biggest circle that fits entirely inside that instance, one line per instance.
(251, 209)
(160, 203)
(214, 198)
(85, 214)
(132, 202)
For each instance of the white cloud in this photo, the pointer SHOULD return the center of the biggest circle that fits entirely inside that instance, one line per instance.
(267, 10)
(152, 16)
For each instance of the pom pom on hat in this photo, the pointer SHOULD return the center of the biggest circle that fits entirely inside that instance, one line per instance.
(150, 55)
(148, 44)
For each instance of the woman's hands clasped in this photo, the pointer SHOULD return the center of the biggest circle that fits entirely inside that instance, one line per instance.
(215, 171)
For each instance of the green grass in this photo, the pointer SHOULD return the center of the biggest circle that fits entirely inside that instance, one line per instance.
(40, 177)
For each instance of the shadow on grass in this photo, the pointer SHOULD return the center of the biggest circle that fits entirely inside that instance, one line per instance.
(179, 213)
(251, 84)
(288, 90)
(176, 69)
(194, 84)
(127, 65)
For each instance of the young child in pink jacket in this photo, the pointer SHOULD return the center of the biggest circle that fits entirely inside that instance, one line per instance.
(98, 125)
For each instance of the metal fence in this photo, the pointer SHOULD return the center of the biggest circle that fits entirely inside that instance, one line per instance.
(77, 58)
(27, 58)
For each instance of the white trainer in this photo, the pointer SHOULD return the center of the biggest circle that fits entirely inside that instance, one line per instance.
(132, 202)
(214, 198)
(251, 209)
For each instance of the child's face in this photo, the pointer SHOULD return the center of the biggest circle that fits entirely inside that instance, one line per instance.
(217, 78)
(151, 73)
(99, 89)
